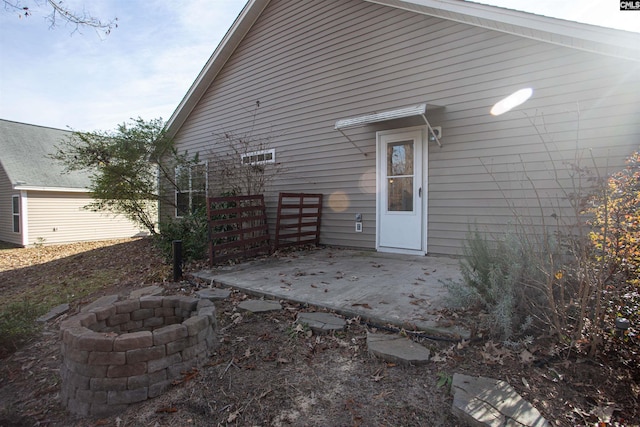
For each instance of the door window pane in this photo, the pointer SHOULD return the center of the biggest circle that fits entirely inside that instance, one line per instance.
(400, 158)
(400, 176)
(400, 195)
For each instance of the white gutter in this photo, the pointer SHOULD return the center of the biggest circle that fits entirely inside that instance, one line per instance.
(50, 189)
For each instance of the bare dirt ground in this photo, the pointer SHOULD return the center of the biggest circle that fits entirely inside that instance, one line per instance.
(266, 372)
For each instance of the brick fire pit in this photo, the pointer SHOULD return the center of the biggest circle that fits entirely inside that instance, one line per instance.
(130, 351)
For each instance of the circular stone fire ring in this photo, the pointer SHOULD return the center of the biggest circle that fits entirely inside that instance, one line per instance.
(130, 351)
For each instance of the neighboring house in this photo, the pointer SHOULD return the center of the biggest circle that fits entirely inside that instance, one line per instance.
(39, 202)
(384, 107)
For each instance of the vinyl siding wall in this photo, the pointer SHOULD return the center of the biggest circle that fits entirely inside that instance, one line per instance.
(61, 218)
(310, 63)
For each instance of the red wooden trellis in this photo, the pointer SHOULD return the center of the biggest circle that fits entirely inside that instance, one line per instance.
(298, 221)
(237, 227)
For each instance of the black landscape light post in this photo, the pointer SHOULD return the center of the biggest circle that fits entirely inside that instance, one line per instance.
(177, 260)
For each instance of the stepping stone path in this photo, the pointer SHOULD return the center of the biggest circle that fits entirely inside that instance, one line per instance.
(149, 290)
(397, 349)
(259, 306)
(480, 401)
(53, 313)
(100, 302)
(214, 294)
(322, 323)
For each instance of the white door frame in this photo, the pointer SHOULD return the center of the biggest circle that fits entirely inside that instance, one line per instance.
(380, 157)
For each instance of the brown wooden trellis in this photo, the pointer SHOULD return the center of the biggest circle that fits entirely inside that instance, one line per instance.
(298, 221)
(237, 227)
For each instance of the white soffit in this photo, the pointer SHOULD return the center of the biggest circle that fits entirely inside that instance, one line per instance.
(398, 113)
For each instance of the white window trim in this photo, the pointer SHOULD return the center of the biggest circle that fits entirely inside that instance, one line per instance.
(254, 154)
(190, 189)
(15, 201)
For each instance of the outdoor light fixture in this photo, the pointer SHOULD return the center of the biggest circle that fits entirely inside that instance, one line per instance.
(511, 101)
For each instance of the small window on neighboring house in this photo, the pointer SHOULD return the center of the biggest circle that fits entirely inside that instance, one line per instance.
(16, 213)
(191, 192)
(259, 157)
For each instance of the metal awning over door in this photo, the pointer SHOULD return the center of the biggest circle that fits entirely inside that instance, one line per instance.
(419, 110)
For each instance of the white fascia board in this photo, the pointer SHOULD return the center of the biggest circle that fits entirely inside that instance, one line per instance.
(51, 189)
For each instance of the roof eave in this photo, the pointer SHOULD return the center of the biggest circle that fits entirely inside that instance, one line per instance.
(21, 187)
(592, 38)
(227, 46)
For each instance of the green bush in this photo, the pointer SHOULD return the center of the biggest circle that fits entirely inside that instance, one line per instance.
(497, 278)
(191, 229)
(18, 324)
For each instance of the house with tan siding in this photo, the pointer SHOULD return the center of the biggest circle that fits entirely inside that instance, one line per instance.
(40, 203)
(384, 107)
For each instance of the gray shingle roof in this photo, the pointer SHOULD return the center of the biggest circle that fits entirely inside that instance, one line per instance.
(24, 155)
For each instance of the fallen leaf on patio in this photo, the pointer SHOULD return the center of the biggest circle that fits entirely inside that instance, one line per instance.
(526, 383)
(377, 377)
(363, 305)
(313, 286)
(382, 395)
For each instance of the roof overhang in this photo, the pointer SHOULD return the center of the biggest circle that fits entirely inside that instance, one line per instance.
(50, 189)
(419, 110)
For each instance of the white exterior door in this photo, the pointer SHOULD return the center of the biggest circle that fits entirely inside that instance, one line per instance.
(401, 191)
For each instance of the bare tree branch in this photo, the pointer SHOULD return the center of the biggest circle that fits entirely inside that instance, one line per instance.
(61, 12)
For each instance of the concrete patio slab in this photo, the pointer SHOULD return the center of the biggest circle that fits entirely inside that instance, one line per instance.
(402, 290)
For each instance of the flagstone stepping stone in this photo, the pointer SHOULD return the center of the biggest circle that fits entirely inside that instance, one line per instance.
(259, 306)
(480, 401)
(322, 323)
(100, 302)
(214, 294)
(149, 290)
(397, 349)
(53, 313)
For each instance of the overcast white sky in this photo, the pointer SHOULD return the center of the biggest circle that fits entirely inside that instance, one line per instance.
(84, 81)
